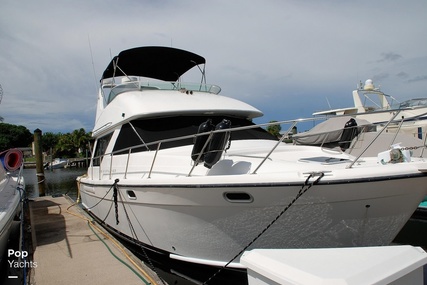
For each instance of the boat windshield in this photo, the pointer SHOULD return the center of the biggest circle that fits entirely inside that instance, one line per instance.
(413, 103)
(114, 90)
(143, 132)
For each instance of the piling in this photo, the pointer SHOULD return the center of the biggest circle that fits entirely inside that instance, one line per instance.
(39, 161)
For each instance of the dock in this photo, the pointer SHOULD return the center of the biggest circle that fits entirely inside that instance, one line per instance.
(69, 248)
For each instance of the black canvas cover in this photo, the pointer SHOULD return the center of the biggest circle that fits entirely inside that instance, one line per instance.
(327, 132)
(164, 63)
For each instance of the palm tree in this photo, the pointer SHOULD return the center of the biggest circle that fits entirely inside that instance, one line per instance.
(75, 143)
(274, 129)
(80, 140)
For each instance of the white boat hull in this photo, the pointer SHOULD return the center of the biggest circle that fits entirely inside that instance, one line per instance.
(9, 207)
(198, 222)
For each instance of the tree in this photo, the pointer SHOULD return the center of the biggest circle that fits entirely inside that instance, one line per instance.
(49, 142)
(274, 129)
(13, 136)
(81, 140)
(73, 144)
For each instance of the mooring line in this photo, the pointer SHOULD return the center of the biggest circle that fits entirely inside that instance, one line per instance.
(303, 189)
(132, 229)
(115, 183)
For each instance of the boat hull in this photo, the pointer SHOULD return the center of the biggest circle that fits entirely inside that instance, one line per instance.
(9, 207)
(214, 223)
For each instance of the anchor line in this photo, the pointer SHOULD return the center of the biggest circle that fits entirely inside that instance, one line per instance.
(303, 189)
(131, 227)
(116, 205)
(412, 147)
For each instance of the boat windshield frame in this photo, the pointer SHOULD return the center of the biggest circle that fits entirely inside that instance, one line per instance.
(413, 103)
(139, 84)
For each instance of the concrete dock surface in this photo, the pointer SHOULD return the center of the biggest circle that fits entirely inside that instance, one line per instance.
(69, 250)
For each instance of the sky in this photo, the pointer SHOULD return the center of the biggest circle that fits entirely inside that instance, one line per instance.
(288, 58)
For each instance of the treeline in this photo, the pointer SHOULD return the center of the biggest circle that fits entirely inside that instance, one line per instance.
(74, 144)
(12, 136)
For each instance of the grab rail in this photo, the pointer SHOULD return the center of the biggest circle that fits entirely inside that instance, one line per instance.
(373, 140)
(292, 123)
(278, 143)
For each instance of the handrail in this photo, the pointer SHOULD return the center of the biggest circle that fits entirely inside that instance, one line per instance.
(373, 140)
(127, 163)
(271, 151)
(398, 129)
(210, 134)
(154, 159)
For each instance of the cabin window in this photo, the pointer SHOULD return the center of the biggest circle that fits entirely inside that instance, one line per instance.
(142, 133)
(101, 147)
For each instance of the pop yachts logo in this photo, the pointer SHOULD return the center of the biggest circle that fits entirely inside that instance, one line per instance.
(21, 262)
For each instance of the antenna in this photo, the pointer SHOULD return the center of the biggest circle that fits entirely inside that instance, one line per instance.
(1, 93)
(93, 64)
(1, 97)
(330, 107)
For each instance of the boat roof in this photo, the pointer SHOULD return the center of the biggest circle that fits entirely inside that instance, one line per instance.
(163, 63)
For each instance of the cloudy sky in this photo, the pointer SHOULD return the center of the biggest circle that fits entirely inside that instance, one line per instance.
(285, 57)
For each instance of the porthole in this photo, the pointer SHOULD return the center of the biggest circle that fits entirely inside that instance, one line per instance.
(238, 197)
(131, 194)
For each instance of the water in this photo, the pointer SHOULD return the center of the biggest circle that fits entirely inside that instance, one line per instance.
(58, 181)
(63, 181)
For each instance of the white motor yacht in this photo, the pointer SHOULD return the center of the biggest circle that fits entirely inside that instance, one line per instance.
(182, 170)
(373, 105)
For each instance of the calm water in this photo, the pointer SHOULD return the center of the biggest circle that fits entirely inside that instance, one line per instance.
(63, 181)
(58, 181)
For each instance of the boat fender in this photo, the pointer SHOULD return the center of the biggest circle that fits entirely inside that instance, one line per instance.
(11, 159)
(200, 141)
(217, 144)
(348, 134)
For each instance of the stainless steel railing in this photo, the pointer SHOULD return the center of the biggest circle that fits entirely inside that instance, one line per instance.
(286, 135)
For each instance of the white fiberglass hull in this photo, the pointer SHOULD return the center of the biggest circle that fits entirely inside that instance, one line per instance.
(9, 206)
(201, 222)
(186, 171)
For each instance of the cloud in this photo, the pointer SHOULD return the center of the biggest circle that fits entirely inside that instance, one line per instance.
(418, 78)
(389, 57)
(402, 75)
(284, 57)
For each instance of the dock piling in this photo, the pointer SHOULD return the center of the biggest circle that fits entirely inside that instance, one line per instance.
(39, 161)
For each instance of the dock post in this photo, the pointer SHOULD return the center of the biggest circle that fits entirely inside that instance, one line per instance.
(39, 161)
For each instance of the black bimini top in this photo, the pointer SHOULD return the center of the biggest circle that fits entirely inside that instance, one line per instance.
(162, 63)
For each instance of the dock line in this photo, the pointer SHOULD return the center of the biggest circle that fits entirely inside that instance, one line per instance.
(91, 224)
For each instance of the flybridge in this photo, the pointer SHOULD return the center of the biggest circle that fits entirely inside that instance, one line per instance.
(163, 64)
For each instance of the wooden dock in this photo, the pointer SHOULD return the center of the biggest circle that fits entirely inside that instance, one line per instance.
(71, 249)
